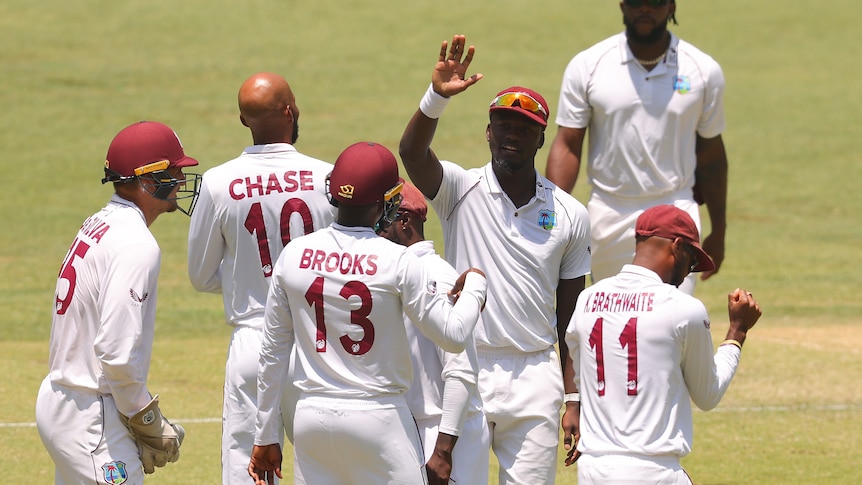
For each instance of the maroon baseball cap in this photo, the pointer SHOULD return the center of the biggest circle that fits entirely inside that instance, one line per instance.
(143, 143)
(671, 222)
(363, 173)
(414, 201)
(522, 100)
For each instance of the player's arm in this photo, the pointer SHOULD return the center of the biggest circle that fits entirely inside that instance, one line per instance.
(564, 158)
(448, 325)
(567, 297)
(206, 245)
(274, 362)
(123, 343)
(711, 182)
(460, 380)
(448, 79)
(708, 376)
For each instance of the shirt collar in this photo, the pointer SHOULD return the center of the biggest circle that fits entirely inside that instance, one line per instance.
(494, 185)
(356, 229)
(269, 148)
(641, 271)
(421, 248)
(671, 60)
(116, 199)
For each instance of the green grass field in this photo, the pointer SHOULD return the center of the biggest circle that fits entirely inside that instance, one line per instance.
(74, 73)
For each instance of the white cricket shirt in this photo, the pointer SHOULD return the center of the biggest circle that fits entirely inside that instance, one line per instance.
(105, 307)
(524, 252)
(642, 125)
(642, 351)
(340, 294)
(248, 209)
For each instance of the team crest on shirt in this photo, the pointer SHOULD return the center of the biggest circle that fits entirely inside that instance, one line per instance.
(136, 297)
(115, 472)
(547, 219)
(682, 84)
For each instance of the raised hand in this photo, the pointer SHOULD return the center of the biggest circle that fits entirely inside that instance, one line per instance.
(450, 73)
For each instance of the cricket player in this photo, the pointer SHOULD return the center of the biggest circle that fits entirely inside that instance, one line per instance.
(338, 295)
(643, 353)
(533, 241)
(444, 395)
(249, 208)
(95, 413)
(653, 107)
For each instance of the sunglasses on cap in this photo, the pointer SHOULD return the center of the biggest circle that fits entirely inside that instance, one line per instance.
(523, 100)
(692, 255)
(650, 3)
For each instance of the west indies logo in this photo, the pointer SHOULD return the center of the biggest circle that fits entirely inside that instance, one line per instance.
(682, 84)
(115, 472)
(547, 219)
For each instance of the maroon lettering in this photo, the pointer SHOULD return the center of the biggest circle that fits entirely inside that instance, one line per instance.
(344, 263)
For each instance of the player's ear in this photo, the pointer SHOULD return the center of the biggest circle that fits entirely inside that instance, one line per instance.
(242, 120)
(488, 132)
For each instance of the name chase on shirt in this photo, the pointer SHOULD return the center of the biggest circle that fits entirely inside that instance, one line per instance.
(344, 263)
(289, 181)
(619, 302)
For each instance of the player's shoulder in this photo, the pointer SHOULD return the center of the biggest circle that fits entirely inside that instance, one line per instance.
(689, 52)
(599, 50)
(564, 201)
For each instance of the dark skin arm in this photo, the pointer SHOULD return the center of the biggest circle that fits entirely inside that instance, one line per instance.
(711, 180)
(448, 79)
(567, 296)
(439, 466)
(564, 158)
(265, 464)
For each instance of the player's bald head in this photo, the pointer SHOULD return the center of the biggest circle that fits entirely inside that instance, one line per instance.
(268, 107)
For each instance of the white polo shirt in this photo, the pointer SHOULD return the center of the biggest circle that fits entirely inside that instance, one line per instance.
(524, 252)
(642, 124)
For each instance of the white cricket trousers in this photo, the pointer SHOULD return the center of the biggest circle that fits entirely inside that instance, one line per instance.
(612, 228)
(613, 469)
(239, 409)
(356, 441)
(522, 394)
(472, 450)
(87, 441)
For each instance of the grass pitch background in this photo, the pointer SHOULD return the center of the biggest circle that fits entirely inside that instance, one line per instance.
(74, 73)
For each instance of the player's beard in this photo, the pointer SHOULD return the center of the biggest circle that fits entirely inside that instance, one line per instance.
(652, 37)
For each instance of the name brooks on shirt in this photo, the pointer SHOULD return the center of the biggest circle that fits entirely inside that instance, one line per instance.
(619, 302)
(344, 263)
(290, 181)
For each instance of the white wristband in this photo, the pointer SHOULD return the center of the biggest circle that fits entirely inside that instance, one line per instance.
(572, 397)
(432, 104)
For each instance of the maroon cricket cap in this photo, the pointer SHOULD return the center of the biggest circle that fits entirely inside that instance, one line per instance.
(143, 143)
(363, 173)
(671, 222)
(522, 100)
(413, 201)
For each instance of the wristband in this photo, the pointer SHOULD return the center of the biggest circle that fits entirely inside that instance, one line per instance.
(432, 104)
(732, 342)
(572, 397)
